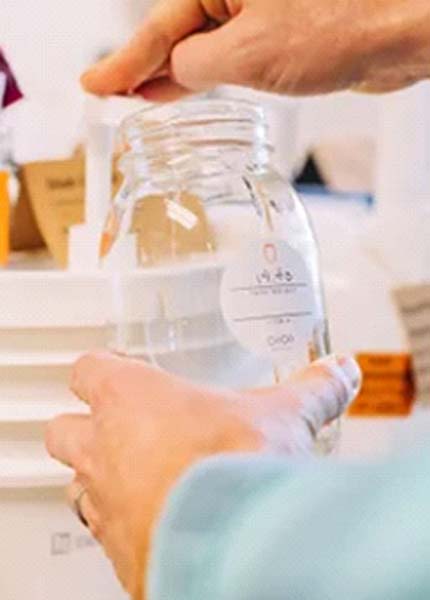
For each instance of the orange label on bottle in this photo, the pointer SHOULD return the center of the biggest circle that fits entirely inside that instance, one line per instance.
(388, 389)
(4, 218)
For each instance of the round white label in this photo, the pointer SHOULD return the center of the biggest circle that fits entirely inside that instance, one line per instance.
(268, 300)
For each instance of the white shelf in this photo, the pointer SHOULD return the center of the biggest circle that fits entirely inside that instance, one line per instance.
(38, 359)
(52, 299)
(37, 411)
(31, 473)
(63, 299)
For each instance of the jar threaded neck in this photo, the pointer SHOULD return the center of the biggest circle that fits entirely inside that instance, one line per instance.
(180, 137)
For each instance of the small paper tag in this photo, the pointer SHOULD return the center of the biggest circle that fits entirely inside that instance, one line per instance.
(414, 305)
(167, 230)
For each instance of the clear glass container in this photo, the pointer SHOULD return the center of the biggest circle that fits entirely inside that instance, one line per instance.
(215, 267)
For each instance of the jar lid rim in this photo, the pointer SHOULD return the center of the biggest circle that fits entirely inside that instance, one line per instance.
(194, 108)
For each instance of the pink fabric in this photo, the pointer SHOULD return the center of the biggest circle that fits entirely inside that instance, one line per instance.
(12, 92)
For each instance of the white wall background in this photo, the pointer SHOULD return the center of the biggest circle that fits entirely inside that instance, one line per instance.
(50, 42)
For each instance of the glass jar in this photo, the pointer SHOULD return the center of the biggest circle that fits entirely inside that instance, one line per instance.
(215, 267)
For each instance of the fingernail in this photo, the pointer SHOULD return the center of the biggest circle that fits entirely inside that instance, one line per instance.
(85, 78)
(351, 369)
(89, 74)
(346, 369)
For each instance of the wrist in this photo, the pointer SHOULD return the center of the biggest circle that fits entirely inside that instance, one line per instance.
(392, 44)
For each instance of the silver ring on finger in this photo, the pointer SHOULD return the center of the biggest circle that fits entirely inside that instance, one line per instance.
(77, 506)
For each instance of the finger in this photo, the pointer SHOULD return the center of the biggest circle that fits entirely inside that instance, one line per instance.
(149, 48)
(90, 372)
(324, 389)
(97, 377)
(162, 89)
(68, 438)
(197, 63)
(79, 494)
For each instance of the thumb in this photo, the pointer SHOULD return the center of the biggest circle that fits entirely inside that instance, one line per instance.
(290, 416)
(147, 53)
(322, 392)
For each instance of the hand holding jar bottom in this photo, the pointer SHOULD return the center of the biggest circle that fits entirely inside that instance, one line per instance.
(147, 428)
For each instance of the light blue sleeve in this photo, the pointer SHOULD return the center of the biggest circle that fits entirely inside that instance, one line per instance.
(250, 528)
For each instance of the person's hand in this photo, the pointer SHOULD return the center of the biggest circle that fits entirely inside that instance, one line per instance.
(284, 46)
(147, 427)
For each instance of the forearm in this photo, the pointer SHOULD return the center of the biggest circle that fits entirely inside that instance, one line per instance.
(247, 529)
(393, 43)
(204, 514)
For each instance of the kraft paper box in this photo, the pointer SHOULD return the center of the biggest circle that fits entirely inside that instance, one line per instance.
(56, 190)
(24, 232)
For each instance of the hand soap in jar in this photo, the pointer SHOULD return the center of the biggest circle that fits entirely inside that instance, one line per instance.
(214, 265)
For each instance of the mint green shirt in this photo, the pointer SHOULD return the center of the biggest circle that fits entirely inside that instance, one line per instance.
(249, 528)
